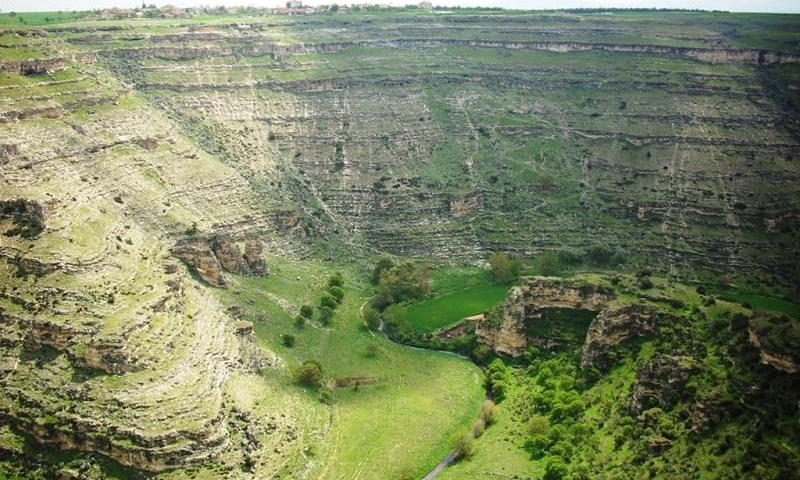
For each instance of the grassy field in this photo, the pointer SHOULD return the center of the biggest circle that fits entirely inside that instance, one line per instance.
(399, 420)
(761, 302)
(440, 311)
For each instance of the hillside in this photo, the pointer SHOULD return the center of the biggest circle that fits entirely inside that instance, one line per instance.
(173, 190)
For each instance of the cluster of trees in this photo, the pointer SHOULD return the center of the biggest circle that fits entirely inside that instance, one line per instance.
(400, 282)
(331, 298)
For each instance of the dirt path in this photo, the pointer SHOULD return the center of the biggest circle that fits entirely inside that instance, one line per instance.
(446, 461)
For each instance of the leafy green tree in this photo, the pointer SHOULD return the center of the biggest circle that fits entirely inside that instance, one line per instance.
(384, 264)
(539, 425)
(309, 374)
(307, 311)
(548, 264)
(464, 446)
(337, 293)
(503, 268)
(328, 300)
(556, 469)
(372, 318)
(403, 282)
(336, 280)
(325, 315)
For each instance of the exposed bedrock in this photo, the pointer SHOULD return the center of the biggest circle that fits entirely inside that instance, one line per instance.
(35, 66)
(525, 312)
(27, 217)
(233, 45)
(524, 305)
(209, 256)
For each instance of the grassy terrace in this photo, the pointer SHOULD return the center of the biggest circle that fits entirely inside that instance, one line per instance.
(447, 309)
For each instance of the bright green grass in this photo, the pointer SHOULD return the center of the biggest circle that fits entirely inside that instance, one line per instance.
(762, 302)
(398, 424)
(438, 312)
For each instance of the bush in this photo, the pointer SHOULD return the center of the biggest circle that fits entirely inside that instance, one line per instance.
(309, 374)
(307, 311)
(645, 283)
(478, 427)
(288, 340)
(599, 254)
(299, 322)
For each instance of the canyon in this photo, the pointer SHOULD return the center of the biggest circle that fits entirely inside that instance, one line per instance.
(151, 168)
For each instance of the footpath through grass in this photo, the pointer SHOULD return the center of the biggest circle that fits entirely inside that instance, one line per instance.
(444, 310)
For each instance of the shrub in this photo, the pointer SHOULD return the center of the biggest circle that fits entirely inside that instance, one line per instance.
(645, 283)
(478, 427)
(299, 322)
(548, 264)
(288, 340)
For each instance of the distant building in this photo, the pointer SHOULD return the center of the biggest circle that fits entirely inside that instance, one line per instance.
(425, 5)
(294, 4)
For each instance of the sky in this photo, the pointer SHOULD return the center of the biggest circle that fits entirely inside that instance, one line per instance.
(775, 6)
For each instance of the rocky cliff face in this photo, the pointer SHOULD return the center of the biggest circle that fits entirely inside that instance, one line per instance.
(524, 306)
(438, 157)
(208, 257)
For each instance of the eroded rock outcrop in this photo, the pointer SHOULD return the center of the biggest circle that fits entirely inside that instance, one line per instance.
(27, 217)
(525, 304)
(208, 257)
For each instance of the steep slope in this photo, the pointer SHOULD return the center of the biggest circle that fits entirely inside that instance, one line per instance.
(108, 344)
(454, 138)
(125, 147)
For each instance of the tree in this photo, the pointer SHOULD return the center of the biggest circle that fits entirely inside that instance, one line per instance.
(503, 268)
(337, 293)
(384, 264)
(336, 280)
(548, 264)
(403, 282)
(489, 412)
(325, 315)
(288, 340)
(309, 374)
(307, 311)
(372, 318)
(299, 322)
(464, 446)
(328, 300)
